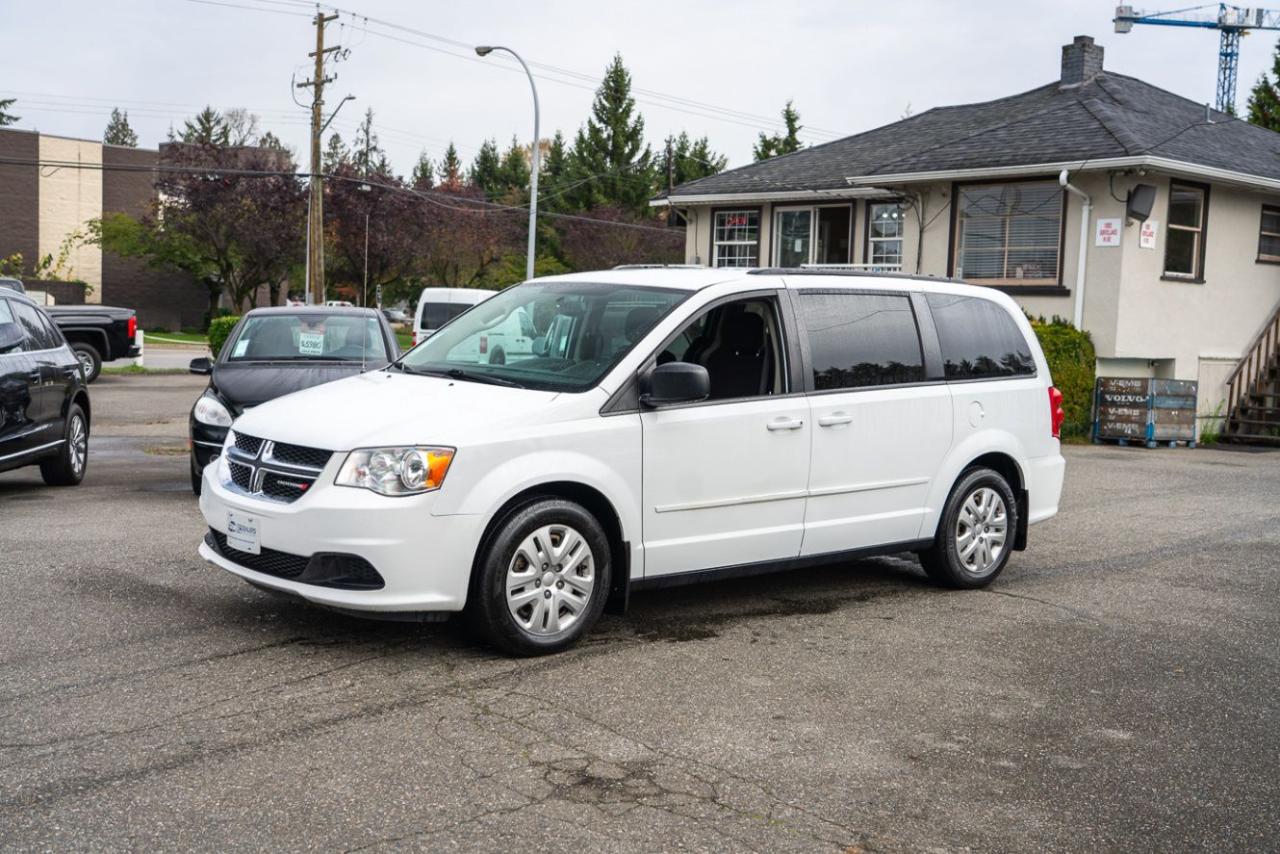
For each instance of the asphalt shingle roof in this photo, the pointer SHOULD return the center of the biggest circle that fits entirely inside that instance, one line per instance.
(1111, 115)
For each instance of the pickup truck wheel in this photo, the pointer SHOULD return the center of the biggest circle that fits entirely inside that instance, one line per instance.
(90, 360)
(542, 579)
(975, 534)
(67, 468)
(498, 357)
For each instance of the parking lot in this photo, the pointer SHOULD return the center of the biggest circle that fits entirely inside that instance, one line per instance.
(1116, 688)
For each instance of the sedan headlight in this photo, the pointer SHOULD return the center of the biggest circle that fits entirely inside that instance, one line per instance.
(209, 410)
(396, 471)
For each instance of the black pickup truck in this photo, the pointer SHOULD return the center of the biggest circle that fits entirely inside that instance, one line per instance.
(97, 333)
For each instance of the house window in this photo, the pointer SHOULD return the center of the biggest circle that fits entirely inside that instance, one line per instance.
(884, 234)
(812, 235)
(1269, 235)
(1009, 234)
(736, 239)
(1184, 237)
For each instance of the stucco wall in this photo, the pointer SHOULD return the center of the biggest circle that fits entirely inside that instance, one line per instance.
(69, 198)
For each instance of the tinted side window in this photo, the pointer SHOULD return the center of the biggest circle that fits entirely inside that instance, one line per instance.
(860, 340)
(437, 314)
(7, 324)
(52, 333)
(979, 339)
(28, 317)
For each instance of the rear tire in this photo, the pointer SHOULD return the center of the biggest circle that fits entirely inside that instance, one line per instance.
(498, 357)
(975, 535)
(90, 360)
(68, 467)
(542, 579)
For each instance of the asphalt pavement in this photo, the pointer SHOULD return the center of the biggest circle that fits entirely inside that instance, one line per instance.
(1116, 689)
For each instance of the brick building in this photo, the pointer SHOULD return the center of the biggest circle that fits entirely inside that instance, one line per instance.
(42, 203)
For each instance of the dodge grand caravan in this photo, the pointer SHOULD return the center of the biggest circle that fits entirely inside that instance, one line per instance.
(668, 425)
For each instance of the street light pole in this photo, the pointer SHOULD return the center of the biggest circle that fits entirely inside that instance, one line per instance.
(485, 50)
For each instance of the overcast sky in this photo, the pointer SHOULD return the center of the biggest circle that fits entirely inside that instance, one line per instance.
(849, 65)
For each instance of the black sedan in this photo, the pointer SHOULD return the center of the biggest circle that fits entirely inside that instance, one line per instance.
(275, 351)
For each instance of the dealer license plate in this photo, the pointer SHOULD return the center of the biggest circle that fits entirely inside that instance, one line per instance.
(244, 533)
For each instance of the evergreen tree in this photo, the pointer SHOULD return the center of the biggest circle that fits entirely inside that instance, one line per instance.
(611, 164)
(424, 173)
(514, 172)
(273, 142)
(1264, 98)
(451, 170)
(555, 172)
(207, 128)
(690, 160)
(366, 153)
(6, 117)
(118, 131)
(335, 153)
(486, 170)
(772, 146)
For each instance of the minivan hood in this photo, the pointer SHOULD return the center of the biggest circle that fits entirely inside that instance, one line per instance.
(386, 407)
(254, 384)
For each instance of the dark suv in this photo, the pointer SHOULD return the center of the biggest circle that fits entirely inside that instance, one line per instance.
(44, 405)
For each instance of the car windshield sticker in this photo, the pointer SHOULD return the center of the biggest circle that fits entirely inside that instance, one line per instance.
(241, 346)
(311, 343)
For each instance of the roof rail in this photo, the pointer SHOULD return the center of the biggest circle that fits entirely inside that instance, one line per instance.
(837, 271)
(660, 267)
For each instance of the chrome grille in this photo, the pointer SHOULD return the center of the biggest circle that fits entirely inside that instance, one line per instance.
(275, 471)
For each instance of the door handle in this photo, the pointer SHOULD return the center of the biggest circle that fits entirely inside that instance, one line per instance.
(835, 419)
(785, 424)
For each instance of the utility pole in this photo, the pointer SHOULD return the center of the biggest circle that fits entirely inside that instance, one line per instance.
(315, 211)
(671, 185)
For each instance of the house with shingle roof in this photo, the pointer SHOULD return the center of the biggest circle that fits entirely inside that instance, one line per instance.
(1141, 216)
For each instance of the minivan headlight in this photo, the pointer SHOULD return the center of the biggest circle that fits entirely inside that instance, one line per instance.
(209, 410)
(396, 471)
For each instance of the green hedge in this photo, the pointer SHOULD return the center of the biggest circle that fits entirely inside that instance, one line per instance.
(219, 329)
(1072, 363)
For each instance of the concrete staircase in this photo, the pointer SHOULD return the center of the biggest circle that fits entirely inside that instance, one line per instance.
(1253, 391)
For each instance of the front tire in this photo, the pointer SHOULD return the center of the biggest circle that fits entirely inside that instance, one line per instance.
(976, 532)
(197, 480)
(542, 580)
(68, 467)
(90, 360)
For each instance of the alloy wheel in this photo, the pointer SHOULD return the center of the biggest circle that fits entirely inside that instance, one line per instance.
(78, 444)
(982, 529)
(550, 580)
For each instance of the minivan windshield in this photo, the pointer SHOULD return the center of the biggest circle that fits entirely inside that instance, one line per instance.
(553, 336)
(308, 336)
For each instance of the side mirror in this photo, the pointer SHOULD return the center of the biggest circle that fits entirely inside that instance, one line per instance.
(201, 366)
(11, 336)
(677, 382)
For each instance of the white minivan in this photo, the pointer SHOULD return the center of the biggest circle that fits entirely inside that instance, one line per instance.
(437, 306)
(668, 425)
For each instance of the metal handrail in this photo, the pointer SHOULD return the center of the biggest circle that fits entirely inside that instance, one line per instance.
(1256, 357)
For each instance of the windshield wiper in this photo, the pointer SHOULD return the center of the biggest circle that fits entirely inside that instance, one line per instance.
(459, 374)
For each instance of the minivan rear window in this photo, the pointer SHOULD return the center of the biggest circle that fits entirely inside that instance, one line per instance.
(437, 314)
(858, 339)
(979, 339)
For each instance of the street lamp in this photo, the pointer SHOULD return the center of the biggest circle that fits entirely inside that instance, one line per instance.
(485, 50)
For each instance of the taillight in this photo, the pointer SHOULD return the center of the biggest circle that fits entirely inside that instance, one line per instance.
(415, 338)
(133, 327)
(1056, 413)
(484, 344)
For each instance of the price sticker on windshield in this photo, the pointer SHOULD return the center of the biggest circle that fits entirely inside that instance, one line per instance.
(311, 343)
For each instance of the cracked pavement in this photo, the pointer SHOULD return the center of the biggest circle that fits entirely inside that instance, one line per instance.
(1116, 689)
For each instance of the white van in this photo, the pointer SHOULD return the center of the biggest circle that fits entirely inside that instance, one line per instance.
(437, 306)
(667, 426)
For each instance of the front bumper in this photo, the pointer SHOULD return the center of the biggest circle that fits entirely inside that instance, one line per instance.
(423, 560)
